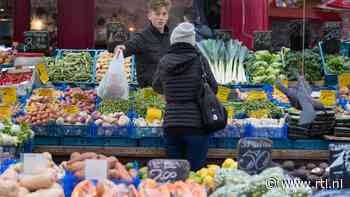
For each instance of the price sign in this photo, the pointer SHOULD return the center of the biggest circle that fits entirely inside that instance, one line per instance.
(34, 163)
(223, 93)
(71, 109)
(336, 160)
(254, 154)
(117, 32)
(36, 41)
(153, 114)
(257, 95)
(5, 112)
(9, 95)
(43, 74)
(328, 97)
(259, 114)
(262, 40)
(96, 169)
(344, 80)
(47, 92)
(230, 112)
(168, 170)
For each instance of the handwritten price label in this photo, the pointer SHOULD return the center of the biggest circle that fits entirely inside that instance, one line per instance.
(257, 95)
(153, 114)
(328, 97)
(5, 112)
(9, 95)
(223, 93)
(344, 80)
(47, 92)
(259, 114)
(43, 74)
(71, 109)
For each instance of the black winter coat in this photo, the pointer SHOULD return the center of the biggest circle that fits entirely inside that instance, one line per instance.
(179, 78)
(148, 46)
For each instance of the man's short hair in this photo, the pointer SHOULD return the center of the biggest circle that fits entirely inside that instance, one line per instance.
(155, 5)
(188, 13)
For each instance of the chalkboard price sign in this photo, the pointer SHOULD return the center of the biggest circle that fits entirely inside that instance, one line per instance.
(117, 33)
(254, 154)
(332, 30)
(336, 160)
(36, 41)
(263, 40)
(168, 170)
(346, 169)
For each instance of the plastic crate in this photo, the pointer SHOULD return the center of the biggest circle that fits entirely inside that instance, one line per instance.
(226, 143)
(6, 164)
(73, 130)
(40, 140)
(282, 144)
(93, 53)
(267, 132)
(154, 142)
(311, 144)
(144, 132)
(230, 131)
(345, 49)
(46, 130)
(111, 141)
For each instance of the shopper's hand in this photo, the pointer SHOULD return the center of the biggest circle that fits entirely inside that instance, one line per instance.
(118, 49)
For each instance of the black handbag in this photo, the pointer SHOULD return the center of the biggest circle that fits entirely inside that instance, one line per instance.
(214, 114)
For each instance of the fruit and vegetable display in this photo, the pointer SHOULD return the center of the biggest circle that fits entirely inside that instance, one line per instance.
(13, 134)
(337, 64)
(71, 67)
(293, 64)
(116, 170)
(85, 100)
(39, 183)
(6, 56)
(102, 64)
(226, 60)
(249, 107)
(13, 78)
(233, 182)
(310, 172)
(264, 67)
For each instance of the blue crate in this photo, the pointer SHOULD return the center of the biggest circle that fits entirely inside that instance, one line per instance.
(6, 164)
(345, 49)
(112, 131)
(230, 131)
(282, 144)
(272, 133)
(226, 143)
(111, 142)
(144, 132)
(93, 53)
(39, 140)
(212, 142)
(154, 142)
(46, 130)
(73, 130)
(311, 144)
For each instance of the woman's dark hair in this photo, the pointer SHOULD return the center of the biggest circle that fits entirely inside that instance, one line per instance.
(155, 5)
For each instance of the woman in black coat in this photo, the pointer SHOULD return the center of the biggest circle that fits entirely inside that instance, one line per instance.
(178, 77)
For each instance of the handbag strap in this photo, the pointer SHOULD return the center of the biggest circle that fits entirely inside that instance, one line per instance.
(203, 73)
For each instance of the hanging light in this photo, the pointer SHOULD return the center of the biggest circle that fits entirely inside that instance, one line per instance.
(37, 24)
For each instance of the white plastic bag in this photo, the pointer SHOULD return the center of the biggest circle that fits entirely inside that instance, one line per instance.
(114, 84)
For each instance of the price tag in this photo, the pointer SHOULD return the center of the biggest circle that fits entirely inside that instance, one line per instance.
(259, 114)
(344, 80)
(71, 109)
(5, 112)
(328, 97)
(47, 92)
(95, 169)
(257, 95)
(153, 114)
(9, 95)
(43, 74)
(34, 163)
(168, 170)
(230, 112)
(223, 93)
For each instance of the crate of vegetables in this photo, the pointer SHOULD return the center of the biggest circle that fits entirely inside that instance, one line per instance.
(333, 65)
(72, 67)
(6, 57)
(103, 60)
(22, 79)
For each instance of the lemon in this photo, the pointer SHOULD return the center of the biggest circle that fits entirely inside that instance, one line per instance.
(208, 181)
(229, 164)
(212, 169)
(203, 172)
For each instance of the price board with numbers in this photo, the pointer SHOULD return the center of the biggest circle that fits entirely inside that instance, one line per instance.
(36, 41)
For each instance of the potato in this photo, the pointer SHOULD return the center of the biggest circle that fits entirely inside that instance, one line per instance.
(73, 167)
(43, 180)
(82, 157)
(10, 174)
(23, 192)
